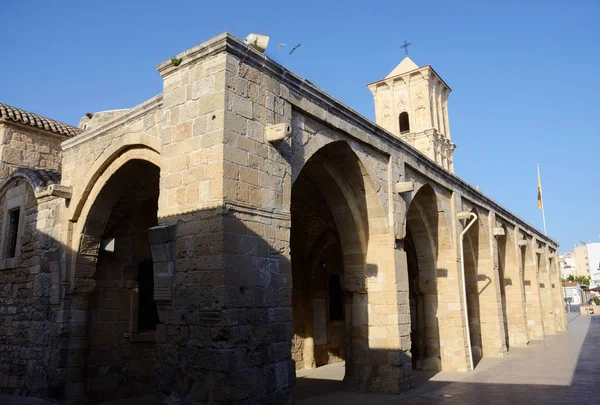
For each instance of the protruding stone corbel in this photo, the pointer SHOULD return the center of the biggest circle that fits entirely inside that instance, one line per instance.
(55, 190)
(405, 186)
(540, 251)
(278, 132)
(522, 242)
(498, 231)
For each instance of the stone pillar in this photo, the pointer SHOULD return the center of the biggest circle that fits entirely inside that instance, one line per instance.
(451, 313)
(488, 281)
(69, 349)
(535, 321)
(546, 292)
(515, 293)
(224, 187)
(557, 294)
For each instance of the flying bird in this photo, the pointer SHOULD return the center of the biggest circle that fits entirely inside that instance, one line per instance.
(280, 46)
(294, 48)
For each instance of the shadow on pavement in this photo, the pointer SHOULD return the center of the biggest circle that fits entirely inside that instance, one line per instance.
(549, 380)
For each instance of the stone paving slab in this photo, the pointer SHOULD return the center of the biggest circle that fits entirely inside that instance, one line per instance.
(562, 369)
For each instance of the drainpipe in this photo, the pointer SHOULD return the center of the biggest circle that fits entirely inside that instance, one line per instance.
(460, 216)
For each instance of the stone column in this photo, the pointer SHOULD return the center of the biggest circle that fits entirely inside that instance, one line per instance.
(515, 293)
(490, 302)
(557, 294)
(546, 293)
(535, 321)
(453, 332)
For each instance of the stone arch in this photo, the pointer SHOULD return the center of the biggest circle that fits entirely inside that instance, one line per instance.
(545, 285)
(483, 291)
(557, 291)
(124, 145)
(82, 242)
(37, 182)
(511, 288)
(38, 179)
(420, 114)
(111, 256)
(426, 246)
(303, 152)
(535, 325)
(334, 193)
(404, 122)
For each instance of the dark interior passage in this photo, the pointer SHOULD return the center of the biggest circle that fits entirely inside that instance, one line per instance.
(317, 270)
(123, 314)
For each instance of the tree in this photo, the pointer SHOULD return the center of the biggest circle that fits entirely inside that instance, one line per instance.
(583, 280)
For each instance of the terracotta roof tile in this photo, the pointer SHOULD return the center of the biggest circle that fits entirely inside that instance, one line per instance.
(8, 113)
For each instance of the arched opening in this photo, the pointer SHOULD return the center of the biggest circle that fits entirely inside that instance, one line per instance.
(533, 303)
(422, 256)
(122, 314)
(337, 224)
(511, 289)
(484, 296)
(417, 304)
(472, 263)
(404, 122)
(503, 254)
(545, 285)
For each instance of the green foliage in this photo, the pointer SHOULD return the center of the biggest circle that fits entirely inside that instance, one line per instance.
(583, 280)
(176, 61)
(597, 300)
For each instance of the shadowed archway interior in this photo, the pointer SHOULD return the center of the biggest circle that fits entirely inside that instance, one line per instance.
(421, 245)
(334, 237)
(122, 314)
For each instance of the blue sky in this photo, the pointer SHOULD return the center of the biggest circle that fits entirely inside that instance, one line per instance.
(523, 74)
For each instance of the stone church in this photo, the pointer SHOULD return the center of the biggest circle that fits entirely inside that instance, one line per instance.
(243, 224)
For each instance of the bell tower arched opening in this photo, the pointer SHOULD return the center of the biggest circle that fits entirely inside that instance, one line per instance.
(404, 123)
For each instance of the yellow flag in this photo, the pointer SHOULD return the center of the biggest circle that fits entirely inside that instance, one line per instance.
(539, 192)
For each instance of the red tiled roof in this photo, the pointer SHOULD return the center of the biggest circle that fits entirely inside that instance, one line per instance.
(8, 113)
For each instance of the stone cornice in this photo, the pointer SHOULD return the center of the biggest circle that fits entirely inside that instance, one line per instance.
(132, 115)
(300, 88)
(389, 80)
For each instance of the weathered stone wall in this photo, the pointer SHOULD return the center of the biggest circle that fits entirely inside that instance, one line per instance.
(227, 303)
(87, 155)
(22, 147)
(26, 314)
(121, 362)
(223, 279)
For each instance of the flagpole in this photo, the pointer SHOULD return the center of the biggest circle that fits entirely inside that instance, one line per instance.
(542, 199)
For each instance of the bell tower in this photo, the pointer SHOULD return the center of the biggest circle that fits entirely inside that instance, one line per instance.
(412, 103)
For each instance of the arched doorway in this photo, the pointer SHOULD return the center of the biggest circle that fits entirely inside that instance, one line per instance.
(535, 325)
(422, 247)
(471, 257)
(512, 293)
(338, 233)
(502, 278)
(484, 292)
(122, 315)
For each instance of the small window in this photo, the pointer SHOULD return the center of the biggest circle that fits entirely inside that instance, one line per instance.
(336, 299)
(12, 233)
(404, 124)
(147, 311)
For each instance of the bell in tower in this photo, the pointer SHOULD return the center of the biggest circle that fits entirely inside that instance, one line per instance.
(412, 103)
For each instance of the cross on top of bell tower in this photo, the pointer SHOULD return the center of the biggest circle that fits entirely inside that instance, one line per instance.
(405, 46)
(411, 102)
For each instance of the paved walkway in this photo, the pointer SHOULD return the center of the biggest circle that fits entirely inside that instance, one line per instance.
(562, 369)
